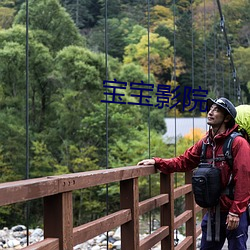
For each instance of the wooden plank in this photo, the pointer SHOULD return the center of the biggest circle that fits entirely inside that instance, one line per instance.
(154, 238)
(24, 190)
(198, 209)
(167, 210)
(190, 205)
(98, 177)
(198, 231)
(185, 244)
(178, 192)
(129, 196)
(90, 230)
(58, 219)
(46, 244)
(182, 218)
(152, 203)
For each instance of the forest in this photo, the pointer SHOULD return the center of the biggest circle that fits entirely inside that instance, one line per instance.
(55, 69)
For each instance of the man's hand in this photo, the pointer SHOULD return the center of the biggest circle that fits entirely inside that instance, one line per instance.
(232, 221)
(146, 162)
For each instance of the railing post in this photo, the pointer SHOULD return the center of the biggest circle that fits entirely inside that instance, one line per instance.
(190, 205)
(58, 219)
(167, 210)
(129, 198)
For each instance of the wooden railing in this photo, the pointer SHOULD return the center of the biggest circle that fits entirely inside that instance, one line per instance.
(59, 232)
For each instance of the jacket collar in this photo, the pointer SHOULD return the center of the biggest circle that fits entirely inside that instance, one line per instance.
(221, 136)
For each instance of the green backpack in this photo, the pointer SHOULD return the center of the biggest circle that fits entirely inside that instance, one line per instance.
(243, 119)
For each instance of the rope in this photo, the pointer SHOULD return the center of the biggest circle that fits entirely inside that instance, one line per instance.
(27, 207)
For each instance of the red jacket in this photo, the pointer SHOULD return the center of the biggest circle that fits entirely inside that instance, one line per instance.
(241, 167)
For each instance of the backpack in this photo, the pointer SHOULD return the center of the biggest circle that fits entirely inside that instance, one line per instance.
(243, 120)
(206, 185)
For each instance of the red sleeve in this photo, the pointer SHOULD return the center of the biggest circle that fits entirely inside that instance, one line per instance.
(241, 175)
(183, 163)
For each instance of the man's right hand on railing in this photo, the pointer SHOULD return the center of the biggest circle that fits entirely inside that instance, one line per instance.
(146, 162)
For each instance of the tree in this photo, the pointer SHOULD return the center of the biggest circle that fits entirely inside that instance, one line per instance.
(161, 16)
(79, 72)
(161, 56)
(84, 13)
(12, 149)
(6, 17)
(53, 25)
(117, 32)
(40, 67)
(242, 64)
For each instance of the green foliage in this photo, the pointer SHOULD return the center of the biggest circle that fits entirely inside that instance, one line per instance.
(161, 54)
(128, 152)
(12, 149)
(161, 16)
(53, 25)
(12, 68)
(81, 160)
(242, 63)
(118, 30)
(84, 13)
(42, 162)
(132, 72)
(80, 69)
(6, 17)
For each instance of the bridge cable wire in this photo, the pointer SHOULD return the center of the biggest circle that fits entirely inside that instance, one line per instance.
(175, 120)
(216, 53)
(192, 52)
(106, 111)
(229, 54)
(221, 48)
(27, 204)
(205, 44)
(149, 120)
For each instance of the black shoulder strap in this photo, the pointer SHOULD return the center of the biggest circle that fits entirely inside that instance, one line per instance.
(227, 148)
(203, 152)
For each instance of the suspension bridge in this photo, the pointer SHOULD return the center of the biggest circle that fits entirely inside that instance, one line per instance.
(56, 192)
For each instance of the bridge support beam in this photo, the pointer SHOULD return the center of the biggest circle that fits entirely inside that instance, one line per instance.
(130, 199)
(58, 219)
(190, 205)
(167, 210)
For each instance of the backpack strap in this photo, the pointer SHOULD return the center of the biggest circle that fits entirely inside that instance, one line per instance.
(227, 151)
(203, 152)
(227, 148)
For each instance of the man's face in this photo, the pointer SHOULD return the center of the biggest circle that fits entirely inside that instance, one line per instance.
(215, 116)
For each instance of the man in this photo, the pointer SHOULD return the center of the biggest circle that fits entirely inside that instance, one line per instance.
(233, 212)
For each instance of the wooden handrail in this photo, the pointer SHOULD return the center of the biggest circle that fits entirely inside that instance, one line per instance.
(58, 208)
